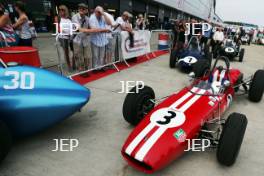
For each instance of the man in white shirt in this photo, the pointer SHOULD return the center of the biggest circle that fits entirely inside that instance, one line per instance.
(218, 38)
(124, 25)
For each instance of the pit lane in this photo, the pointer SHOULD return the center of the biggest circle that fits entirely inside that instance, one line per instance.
(101, 131)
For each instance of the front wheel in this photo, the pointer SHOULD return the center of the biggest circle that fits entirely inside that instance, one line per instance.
(173, 59)
(201, 67)
(138, 104)
(5, 141)
(256, 89)
(241, 55)
(231, 139)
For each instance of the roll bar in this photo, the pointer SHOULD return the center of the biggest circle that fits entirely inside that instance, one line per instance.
(224, 58)
(4, 37)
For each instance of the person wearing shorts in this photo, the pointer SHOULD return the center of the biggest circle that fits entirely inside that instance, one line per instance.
(111, 41)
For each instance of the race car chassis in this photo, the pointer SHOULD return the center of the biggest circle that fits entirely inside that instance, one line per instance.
(213, 128)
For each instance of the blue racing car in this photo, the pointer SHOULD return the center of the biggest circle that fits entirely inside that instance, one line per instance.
(33, 99)
(187, 57)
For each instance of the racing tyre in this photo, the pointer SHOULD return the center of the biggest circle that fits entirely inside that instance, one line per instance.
(5, 141)
(137, 105)
(201, 67)
(241, 55)
(173, 58)
(256, 89)
(231, 139)
(215, 54)
(209, 57)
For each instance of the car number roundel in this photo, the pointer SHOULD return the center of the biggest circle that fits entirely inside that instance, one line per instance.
(229, 50)
(190, 60)
(168, 118)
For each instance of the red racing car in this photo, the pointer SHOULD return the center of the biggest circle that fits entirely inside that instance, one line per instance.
(195, 112)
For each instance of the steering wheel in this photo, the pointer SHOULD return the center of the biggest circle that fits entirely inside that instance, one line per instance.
(227, 63)
(2, 63)
(218, 75)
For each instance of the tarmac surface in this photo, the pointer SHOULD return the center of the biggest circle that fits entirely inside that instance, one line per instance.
(101, 131)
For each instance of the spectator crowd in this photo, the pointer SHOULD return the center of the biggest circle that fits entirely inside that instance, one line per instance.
(93, 45)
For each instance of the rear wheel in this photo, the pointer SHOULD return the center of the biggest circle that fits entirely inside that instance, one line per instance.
(5, 141)
(215, 54)
(209, 57)
(241, 55)
(256, 89)
(231, 139)
(137, 105)
(173, 59)
(201, 67)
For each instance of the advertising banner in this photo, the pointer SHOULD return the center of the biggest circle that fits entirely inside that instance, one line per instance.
(141, 44)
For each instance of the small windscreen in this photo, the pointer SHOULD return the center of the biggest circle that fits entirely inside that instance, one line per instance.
(193, 44)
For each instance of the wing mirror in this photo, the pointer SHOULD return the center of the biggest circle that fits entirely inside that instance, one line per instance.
(191, 76)
(227, 83)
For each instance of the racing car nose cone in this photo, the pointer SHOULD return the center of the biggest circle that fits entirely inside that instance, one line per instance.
(52, 99)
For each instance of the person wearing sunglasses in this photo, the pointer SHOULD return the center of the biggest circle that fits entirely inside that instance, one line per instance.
(64, 24)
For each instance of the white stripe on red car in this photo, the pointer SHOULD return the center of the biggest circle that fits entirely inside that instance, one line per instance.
(159, 120)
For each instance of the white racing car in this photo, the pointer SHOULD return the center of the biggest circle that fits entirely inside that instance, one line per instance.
(245, 40)
(260, 41)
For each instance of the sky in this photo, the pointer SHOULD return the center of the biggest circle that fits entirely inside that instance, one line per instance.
(248, 11)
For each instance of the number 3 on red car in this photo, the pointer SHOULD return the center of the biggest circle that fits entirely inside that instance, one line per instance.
(168, 118)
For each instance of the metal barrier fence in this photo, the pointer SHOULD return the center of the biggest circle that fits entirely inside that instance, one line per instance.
(112, 50)
(116, 51)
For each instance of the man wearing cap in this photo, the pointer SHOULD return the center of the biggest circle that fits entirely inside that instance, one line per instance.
(81, 43)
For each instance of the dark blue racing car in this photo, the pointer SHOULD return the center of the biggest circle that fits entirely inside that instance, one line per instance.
(187, 57)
